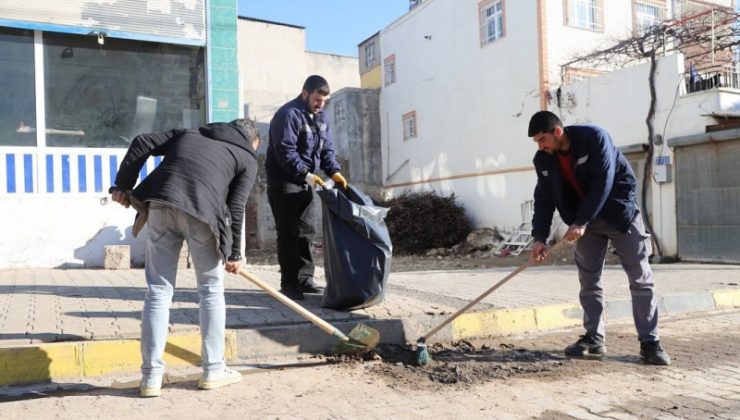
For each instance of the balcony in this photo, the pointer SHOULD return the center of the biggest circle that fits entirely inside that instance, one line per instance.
(709, 99)
(728, 77)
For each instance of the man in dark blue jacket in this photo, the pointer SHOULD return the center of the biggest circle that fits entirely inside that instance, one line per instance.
(589, 181)
(300, 144)
(197, 194)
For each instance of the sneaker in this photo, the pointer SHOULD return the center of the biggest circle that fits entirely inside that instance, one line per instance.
(309, 286)
(293, 292)
(586, 343)
(151, 386)
(217, 378)
(651, 353)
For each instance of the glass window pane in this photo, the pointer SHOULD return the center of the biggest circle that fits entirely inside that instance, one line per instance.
(17, 90)
(104, 95)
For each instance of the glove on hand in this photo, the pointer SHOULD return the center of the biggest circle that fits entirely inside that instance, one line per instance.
(339, 179)
(314, 180)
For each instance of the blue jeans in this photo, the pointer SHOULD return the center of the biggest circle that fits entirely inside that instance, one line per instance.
(167, 228)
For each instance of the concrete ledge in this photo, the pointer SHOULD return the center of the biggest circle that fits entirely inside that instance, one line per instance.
(726, 299)
(679, 303)
(55, 361)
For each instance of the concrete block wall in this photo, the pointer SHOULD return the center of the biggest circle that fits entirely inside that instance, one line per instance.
(355, 118)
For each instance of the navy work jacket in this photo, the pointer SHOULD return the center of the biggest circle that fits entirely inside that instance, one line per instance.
(299, 144)
(603, 174)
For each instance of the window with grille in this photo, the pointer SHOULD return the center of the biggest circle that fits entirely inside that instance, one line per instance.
(409, 125)
(647, 14)
(491, 14)
(586, 14)
(389, 67)
(370, 55)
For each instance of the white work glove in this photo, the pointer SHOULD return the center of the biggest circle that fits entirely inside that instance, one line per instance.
(314, 180)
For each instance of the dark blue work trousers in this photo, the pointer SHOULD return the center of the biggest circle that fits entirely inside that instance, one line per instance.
(291, 208)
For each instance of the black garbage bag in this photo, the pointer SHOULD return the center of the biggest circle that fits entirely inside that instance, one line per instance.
(357, 249)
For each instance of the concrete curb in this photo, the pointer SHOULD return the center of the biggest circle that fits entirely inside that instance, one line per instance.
(59, 361)
(482, 324)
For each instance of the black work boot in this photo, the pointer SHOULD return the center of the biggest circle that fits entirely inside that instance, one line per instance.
(292, 291)
(309, 286)
(587, 343)
(651, 353)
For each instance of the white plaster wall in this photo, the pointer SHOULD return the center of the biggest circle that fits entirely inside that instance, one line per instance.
(273, 64)
(566, 42)
(46, 231)
(472, 107)
(473, 104)
(340, 71)
(619, 101)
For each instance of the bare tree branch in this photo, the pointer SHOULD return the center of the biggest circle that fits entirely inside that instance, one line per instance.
(698, 36)
(707, 31)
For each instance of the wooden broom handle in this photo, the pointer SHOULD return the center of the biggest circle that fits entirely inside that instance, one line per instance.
(328, 328)
(487, 292)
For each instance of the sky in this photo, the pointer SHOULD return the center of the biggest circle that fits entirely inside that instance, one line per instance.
(332, 26)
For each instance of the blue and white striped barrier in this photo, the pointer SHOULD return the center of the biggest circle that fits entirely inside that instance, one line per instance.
(62, 170)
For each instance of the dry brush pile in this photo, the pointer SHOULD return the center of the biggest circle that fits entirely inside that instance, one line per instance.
(419, 221)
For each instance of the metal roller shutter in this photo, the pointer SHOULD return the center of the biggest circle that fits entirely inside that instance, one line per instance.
(708, 201)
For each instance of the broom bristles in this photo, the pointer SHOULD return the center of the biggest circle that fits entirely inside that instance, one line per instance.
(422, 354)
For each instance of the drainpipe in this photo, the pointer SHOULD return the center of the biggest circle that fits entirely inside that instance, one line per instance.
(542, 52)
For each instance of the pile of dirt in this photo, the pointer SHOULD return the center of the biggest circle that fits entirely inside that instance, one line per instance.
(460, 364)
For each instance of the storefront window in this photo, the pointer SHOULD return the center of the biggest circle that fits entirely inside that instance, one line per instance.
(102, 92)
(17, 91)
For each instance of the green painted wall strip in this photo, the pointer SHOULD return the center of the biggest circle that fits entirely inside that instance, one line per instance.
(223, 63)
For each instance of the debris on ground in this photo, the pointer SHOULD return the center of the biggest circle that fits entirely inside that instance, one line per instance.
(461, 363)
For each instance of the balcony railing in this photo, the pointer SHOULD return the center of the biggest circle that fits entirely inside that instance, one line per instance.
(728, 77)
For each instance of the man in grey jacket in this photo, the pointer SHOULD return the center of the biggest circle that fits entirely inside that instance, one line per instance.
(197, 194)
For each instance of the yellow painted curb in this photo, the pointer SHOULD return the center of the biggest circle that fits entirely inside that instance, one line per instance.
(726, 298)
(230, 350)
(484, 324)
(53, 361)
(102, 357)
(558, 316)
(183, 350)
(40, 363)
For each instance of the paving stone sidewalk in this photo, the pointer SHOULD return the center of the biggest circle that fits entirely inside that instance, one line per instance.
(47, 305)
(57, 317)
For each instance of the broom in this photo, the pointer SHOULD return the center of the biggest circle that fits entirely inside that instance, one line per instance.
(360, 340)
(422, 353)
